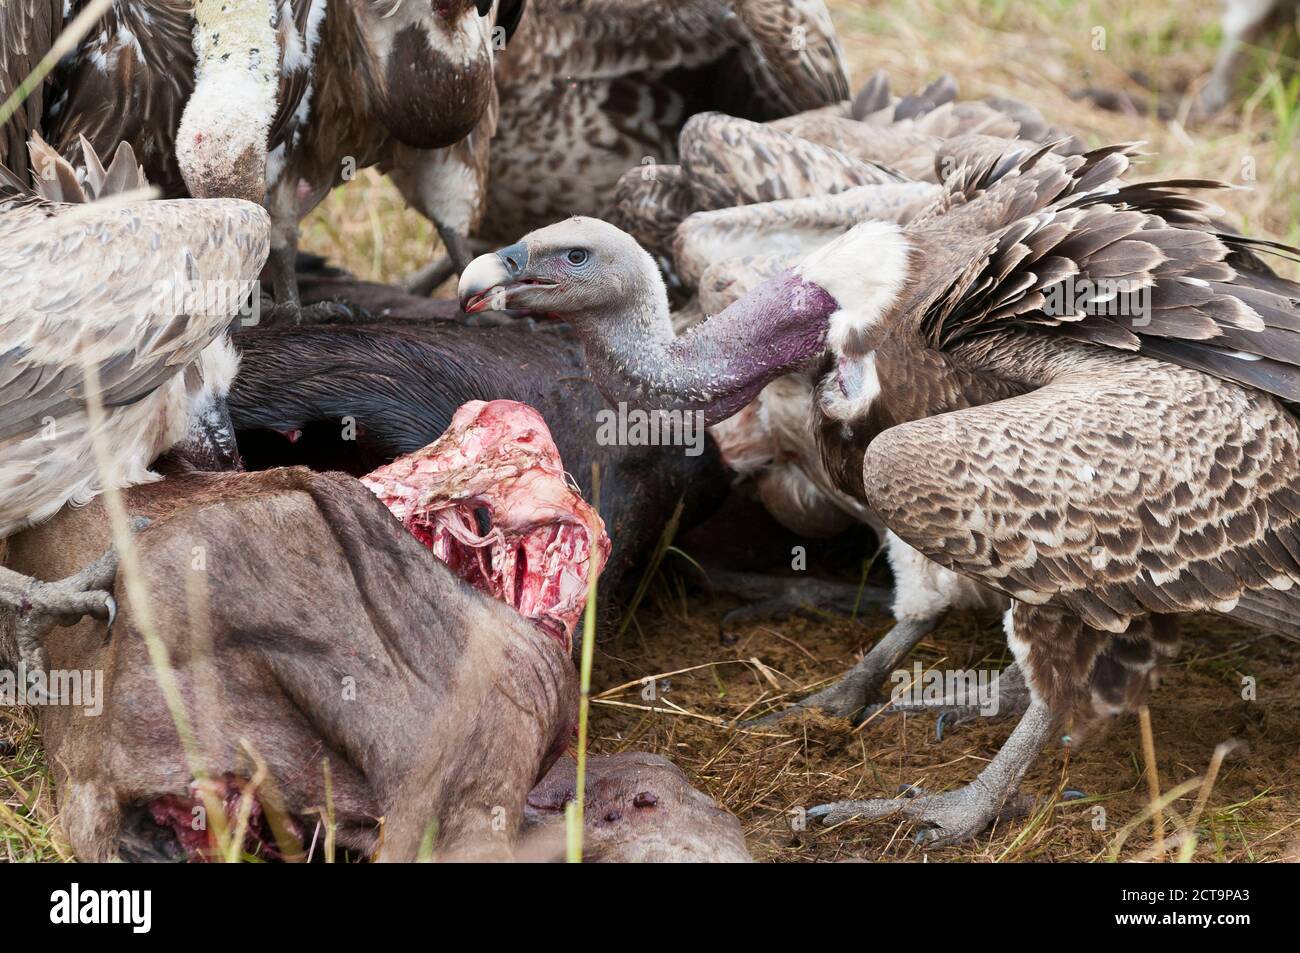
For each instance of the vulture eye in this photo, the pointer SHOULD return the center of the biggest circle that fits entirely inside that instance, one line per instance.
(483, 520)
(577, 257)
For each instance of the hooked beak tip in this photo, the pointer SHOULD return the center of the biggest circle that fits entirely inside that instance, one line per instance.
(479, 280)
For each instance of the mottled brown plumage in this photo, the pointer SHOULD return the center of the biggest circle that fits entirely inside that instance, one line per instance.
(414, 94)
(1101, 467)
(590, 88)
(27, 31)
(409, 88)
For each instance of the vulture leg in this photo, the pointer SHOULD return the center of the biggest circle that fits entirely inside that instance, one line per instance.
(773, 598)
(39, 607)
(458, 246)
(286, 306)
(1010, 697)
(460, 250)
(848, 697)
(955, 816)
(424, 281)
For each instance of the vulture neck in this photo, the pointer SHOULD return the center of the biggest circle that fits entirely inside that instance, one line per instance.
(832, 301)
(716, 367)
(238, 55)
(221, 143)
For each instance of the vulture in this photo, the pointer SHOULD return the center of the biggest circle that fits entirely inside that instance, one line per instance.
(94, 276)
(759, 197)
(1075, 390)
(592, 87)
(274, 101)
(770, 440)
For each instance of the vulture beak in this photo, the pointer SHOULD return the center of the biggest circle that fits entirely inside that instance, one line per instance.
(488, 281)
(209, 442)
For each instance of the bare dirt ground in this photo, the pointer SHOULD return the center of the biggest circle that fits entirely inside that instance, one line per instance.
(1042, 51)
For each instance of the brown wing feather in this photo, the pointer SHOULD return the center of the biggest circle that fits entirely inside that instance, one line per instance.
(294, 83)
(1061, 243)
(95, 280)
(732, 162)
(129, 81)
(1123, 487)
(794, 57)
(650, 202)
(591, 88)
(27, 31)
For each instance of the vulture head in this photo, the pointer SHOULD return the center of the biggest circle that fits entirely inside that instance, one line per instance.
(578, 269)
(491, 499)
(431, 67)
(598, 279)
(208, 440)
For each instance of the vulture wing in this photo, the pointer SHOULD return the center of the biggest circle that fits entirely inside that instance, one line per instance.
(1031, 239)
(583, 40)
(129, 81)
(650, 202)
(794, 55)
(140, 289)
(795, 226)
(1116, 490)
(787, 48)
(298, 34)
(732, 162)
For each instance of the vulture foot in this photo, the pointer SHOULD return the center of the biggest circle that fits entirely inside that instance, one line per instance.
(850, 696)
(1009, 695)
(956, 816)
(774, 598)
(40, 606)
(321, 312)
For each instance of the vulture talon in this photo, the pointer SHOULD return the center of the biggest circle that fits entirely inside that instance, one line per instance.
(945, 819)
(955, 816)
(849, 696)
(40, 607)
(290, 313)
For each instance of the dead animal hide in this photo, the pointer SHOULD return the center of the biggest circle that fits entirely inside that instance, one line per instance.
(308, 631)
(640, 808)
